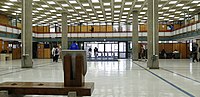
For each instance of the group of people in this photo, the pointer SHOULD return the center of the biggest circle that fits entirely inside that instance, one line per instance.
(95, 52)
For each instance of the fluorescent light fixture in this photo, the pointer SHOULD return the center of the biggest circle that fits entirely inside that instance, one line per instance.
(106, 4)
(182, 14)
(51, 2)
(160, 5)
(81, 12)
(78, 17)
(91, 13)
(118, 0)
(47, 13)
(36, 0)
(52, 10)
(195, 1)
(178, 12)
(108, 13)
(19, 8)
(97, 7)
(140, 0)
(116, 15)
(13, 0)
(117, 11)
(165, 8)
(75, 14)
(165, 14)
(65, 5)
(44, 5)
(72, 1)
(160, 12)
(116, 18)
(145, 18)
(176, 17)
(171, 16)
(172, 10)
(124, 16)
(77, 7)
(161, 17)
(95, 1)
(9, 4)
(84, 16)
(145, 8)
(100, 15)
(93, 17)
(117, 6)
(128, 3)
(86, 4)
(43, 15)
(140, 16)
(142, 12)
(198, 5)
(53, 16)
(4, 10)
(191, 9)
(39, 8)
(109, 17)
(35, 11)
(125, 12)
(178, 5)
(5, 6)
(13, 13)
(138, 6)
(49, 18)
(58, 8)
(88, 9)
(58, 14)
(70, 10)
(123, 19)
(81, 20)
(101, 19)
(166, 19)
(186, 7)
(172, 2)
(126, 8)
(87, 19)
(181, 19)
(69, 16)
(99, 11)
(107, 9)
(39, 17)
(46, 20)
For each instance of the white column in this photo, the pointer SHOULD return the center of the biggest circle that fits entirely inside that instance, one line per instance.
(64, 31)
(135, 36)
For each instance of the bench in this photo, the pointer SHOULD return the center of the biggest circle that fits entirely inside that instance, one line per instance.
(74, 67)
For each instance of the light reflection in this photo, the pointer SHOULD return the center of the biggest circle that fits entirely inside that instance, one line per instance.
(190, 68)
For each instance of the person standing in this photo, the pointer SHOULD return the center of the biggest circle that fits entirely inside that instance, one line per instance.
(74, 46)
(194, 52)
(57, 53)
(95, 52)
(52, 52)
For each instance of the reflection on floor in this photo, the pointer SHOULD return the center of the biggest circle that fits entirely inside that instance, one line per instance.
(122, 78)
(102, 59)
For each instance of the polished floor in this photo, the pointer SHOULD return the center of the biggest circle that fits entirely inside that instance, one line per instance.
(122, 78)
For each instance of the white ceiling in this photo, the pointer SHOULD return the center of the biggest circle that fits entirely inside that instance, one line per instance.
(49, 11)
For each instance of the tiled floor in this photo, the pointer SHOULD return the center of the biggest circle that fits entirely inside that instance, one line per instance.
(123, 78)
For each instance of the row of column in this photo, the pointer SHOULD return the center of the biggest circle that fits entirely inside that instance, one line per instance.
(152, 37)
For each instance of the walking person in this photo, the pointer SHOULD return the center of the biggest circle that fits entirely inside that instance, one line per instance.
(52, 52)
(57, 53)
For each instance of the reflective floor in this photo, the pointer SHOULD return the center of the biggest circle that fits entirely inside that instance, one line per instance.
(123, 78)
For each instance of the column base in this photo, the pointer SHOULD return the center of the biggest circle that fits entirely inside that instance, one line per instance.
(135, 60)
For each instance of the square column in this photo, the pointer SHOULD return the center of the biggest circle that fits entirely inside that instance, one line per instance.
(135, 36)
(152, 35)
(64, 31)
(26, 34)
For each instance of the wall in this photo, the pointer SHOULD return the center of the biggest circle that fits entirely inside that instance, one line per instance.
(41, 29)
(87, 28)
(4, 19)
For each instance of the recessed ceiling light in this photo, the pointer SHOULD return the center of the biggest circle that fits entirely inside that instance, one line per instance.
(19, 8)
(58, 14)
(117, 11)
(145, 8)
(77, 7)
(160, 5)
(179, 5)
(116, 15)
(107, 9)
(117, 6)
(39, 17)
(84, 16)
(47, 13)
(87, 19)
(39, 8)
(125, 12)
(51, 2)
(95, 1)
(140, 16)
(165, 14)
(69, 16)
(100, 15)
(65, 5)
(140, 0)
(178, 12)
(52, 10)
(93, 17)
(5, 6)
(81, 12)
(58, 8)
(99, 11)
(124, 16)
(171, 10)
(4, 10)
(9, 4)
(78, 17)
(187, 7)
(70, 10)
(91, 13)
(106, 4)
(171, 16)
(118, 0)
(97, 7)
(53, 16)
(142, 12)
(137, 6)
(198, 5)
(165, 8)
(86, 4)
(44, 5)
(126, 8)
(72, 1)
(88, 9)
(108, 17)
(43, 15)
(195, 1)
(145, 18)
(36, 0)
(75, 14)
(35, 11)
(128, 3)
(172, 2)
(108, 13)
(160, 12)
(191, 9)
(161, 17)
(13, 0)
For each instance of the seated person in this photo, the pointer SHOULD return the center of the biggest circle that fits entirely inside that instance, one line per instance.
(74, 46)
